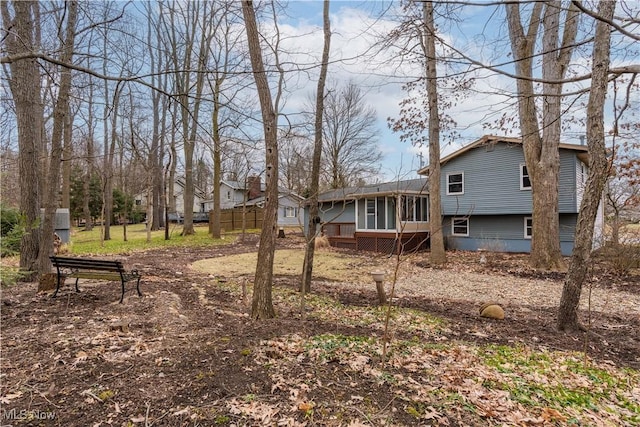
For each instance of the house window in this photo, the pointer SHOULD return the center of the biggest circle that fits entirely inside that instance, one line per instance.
(371, 214)
(455, 183)
(415, 209)
(460, 226)
(525, 181)
(377, 213)
(138, 202)
(290, 212)
(228, 195)
(528, 227)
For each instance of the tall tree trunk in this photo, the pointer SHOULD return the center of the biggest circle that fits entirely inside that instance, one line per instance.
(217, 161)
(169, 184)
(109, 155)
(262, 304)
(154, 158)
(541, 151)
(60, 117)
(88, 174)
(570, 300)
(438, 254)
(66, 161)
(25, 89)
(314, 185)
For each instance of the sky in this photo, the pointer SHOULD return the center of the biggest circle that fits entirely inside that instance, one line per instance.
(356, 26)
(480, 31)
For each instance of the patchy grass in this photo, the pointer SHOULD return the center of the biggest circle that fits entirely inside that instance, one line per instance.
(10, 274)
(89, 242)
(565, 382)
(498, 384)
(326, 265)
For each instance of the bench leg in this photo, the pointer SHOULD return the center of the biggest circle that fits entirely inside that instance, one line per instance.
(57, 286)
(138, 287)
(122, 297)
(77, 290)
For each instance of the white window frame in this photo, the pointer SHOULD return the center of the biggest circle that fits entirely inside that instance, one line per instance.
(528, 229)
(371, 212)
(229, 195)
(453, 226)
(522, 176)
(409, 208)
(362, 207)
(290, 212)
(449, 183)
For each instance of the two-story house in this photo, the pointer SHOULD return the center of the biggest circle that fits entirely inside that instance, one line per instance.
(486, 195)
(486, 203)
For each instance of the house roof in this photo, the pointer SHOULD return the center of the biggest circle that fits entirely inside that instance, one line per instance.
(411, 186)
(197, 191)
(259, 201)
(582, 150)
(236, 185)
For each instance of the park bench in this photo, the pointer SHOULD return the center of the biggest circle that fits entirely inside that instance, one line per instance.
(84, 268)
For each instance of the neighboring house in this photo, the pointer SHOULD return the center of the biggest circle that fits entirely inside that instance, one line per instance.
(486, 195)
(235, 195)
(290, 208)
(383, 217)
(199, 204)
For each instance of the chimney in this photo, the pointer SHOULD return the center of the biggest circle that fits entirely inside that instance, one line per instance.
(254, 189)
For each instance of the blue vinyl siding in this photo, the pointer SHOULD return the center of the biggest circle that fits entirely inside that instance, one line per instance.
(492, 182)
(504, 233)
(339, 211)
(567, 190)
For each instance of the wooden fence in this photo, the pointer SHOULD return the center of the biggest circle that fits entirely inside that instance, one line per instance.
(231, 219)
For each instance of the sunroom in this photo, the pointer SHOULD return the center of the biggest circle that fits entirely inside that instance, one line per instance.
(389, 217)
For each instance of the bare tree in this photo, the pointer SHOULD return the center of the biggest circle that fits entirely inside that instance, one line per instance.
(438, 255)
(61, 120)
(225, 60)
(262, 304)
(598, 165)
(349, 137)
(421, 113)
(623, 190)
(24, 83)
(541, 150)
(157, 60)
(314, 185)
(296, 154)
(190, 34)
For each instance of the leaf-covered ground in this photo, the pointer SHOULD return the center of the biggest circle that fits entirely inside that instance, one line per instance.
(187, 353)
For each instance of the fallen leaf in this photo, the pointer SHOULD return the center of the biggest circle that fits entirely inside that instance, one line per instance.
(305, 406)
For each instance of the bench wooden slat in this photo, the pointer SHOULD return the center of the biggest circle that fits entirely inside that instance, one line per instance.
(93, 264)
(94, 275)
(87, 268)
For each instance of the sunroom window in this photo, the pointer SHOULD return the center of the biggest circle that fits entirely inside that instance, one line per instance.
(376, 213)
(415, 209)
